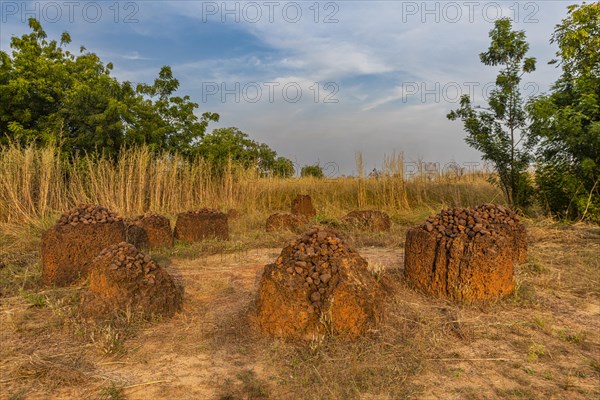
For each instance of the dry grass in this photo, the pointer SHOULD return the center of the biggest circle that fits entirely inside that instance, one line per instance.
(37, 184)
(542, 342)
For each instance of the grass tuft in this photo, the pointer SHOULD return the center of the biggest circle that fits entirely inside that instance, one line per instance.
(34, 299)
(111, 391)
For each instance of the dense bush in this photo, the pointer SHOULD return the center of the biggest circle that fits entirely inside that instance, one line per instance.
(312, 170)
(567, 121)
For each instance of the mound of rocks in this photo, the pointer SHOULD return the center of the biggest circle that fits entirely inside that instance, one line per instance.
(286, 222)
(193, 226)
(371, 220)
(466, 254)
(302, 205)
(87, 215)
(123, 279)
(76, 238)
(149, 231)
(318, 285)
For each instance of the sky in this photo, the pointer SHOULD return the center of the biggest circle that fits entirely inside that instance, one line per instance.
(316, 81)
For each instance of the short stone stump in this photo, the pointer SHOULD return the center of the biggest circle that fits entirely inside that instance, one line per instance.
(124, 280)
(466, 254)
(194, 226)
(318, 286)
(302, 205)
(286, 222)
(371, 220)
(149, 231)
(73, 242)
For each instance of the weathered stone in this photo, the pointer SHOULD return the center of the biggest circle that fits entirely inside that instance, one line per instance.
(193, 226)
(70, 245)
(149, 231)
(477, 264)
(286, 222)
(291, 305)
(302, 205)
(371, 220)
(133, 285)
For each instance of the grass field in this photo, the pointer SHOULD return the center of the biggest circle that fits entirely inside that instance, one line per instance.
(542, 342)
(36, 183)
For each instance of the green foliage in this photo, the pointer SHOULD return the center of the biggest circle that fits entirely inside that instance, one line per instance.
(170, 119)
(312, 170)
(567, 121)
(500, 130)
(226, 144)
(34, 299)
(283, 167)
(51, 96)
(536, 350)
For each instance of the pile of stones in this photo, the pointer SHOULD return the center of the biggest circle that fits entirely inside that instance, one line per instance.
(124, 279)
(76, 238)
(486, 219)
(87, 214)
(318, 285)
(466, 254)
(315, 258)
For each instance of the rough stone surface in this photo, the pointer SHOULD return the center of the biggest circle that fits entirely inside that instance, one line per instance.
(136, 234)
(318, 286)
(86, 214)
(193, 226)
(286, 222)
(149, 231)
(123, 279)
(466, 254)
(302, 205)
(372, 220)
(73, 242)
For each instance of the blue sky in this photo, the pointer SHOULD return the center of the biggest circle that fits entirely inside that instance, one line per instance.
(317, 81)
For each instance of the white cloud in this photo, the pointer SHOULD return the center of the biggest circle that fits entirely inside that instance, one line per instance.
(371, 39)
(386, 41)
(134, 56)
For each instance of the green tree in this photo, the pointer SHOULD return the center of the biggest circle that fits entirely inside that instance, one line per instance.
(224, 144)
(567, 121)
(283, 167)
(499, 131)
(170, 119)
(50, 95)
(312, 170)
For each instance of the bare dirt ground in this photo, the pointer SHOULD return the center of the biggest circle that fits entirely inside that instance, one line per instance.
(543, 342)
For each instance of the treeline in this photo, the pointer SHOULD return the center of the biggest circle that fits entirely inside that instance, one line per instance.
(52, 97)
(545, 150)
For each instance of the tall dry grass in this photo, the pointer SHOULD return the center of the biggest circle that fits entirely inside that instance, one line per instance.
(36, 183)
